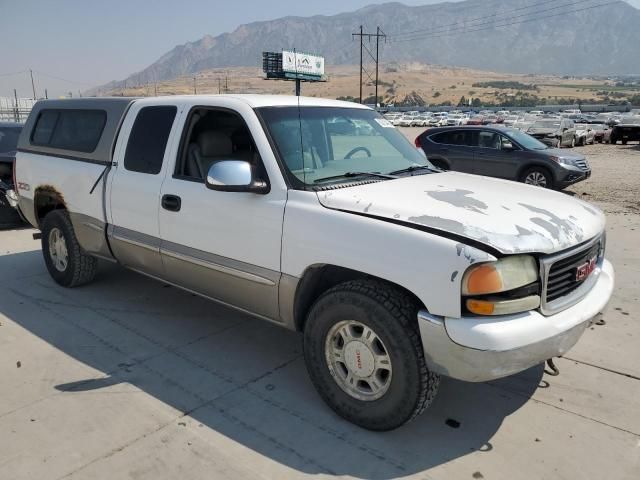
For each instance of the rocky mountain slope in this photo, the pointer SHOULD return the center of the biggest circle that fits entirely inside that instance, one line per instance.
(498, 35)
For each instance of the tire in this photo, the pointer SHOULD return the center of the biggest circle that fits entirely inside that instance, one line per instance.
(390, 315)
(533, 176)
(79, 268)
(573, 142)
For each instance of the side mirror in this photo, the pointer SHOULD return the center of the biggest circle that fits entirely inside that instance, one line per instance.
(234, 176)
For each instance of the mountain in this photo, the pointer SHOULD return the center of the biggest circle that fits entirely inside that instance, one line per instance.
(516, 36)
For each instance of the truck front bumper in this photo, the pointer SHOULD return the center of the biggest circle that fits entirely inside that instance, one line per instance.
(478, 349)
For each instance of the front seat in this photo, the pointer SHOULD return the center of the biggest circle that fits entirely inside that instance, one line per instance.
(211, 146)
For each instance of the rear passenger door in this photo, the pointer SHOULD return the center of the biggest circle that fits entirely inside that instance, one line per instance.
(455, 147)
(133, 195)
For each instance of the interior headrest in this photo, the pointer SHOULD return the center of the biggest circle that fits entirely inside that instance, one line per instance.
(214, 144)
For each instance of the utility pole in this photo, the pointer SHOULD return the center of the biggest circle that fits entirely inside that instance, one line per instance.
(378, 35)
(361, 46)
(219, 85)
(33, 85)
(226, 82)
(194, 85)
(17, 110)
(46, 94)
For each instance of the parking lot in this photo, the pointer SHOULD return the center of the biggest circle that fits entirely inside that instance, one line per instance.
(131, 378)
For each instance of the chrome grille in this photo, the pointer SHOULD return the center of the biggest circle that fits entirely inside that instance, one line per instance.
(561, 287)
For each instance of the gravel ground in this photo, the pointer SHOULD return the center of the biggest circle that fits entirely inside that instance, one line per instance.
(615, 181)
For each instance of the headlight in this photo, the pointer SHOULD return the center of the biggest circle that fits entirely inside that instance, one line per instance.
(506, 274)
(492, 288)
(562, 160)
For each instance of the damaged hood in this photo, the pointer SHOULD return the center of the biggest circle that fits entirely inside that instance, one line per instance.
(508, 216)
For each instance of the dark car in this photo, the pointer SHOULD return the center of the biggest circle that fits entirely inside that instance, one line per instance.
(628, 130)
(554, 132)
(503, 153)
(9, 133)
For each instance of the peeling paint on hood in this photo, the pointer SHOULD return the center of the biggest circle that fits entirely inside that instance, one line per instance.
(508, 216)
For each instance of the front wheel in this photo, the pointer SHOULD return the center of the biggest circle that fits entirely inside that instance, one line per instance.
(537, 176)
(364, 355)
(66, 261)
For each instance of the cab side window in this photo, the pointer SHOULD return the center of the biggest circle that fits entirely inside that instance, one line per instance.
(148, 139)
(212, 136)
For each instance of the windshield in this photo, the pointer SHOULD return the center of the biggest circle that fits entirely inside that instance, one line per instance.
(547, 124)
(336, 141)
(9, 139)
(527, 141)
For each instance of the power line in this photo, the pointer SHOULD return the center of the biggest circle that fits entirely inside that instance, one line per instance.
(455, 32)
(430, 29)
(62, 79)
(10, 74)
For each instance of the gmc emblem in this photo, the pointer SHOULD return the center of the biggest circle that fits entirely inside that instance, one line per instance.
(584, 270)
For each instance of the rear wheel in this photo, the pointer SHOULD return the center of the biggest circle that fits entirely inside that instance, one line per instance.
(364, 355)
(537, 176)
(66, 262)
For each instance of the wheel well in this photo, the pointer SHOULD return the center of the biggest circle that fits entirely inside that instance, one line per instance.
(47, 199)
(318, 279)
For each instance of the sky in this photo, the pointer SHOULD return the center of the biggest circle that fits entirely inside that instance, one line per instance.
(72, 45)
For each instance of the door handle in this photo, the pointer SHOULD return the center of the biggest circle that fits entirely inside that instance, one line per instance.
(171, 203)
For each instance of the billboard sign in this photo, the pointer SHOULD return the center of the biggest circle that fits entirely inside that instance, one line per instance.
(302, 63)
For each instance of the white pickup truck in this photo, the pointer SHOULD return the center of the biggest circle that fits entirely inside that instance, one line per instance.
(287, 209)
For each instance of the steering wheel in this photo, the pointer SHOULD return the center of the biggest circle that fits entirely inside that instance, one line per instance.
(356, 150)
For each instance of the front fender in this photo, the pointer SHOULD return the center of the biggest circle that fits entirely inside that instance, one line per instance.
(428, 265)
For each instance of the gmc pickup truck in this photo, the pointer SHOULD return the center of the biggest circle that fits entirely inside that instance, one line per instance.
(319, 216)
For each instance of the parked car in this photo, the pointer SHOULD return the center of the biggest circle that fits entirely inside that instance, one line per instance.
(585, 134)
(601, 132)
(395, 272)
(9, 214)
(420, 121)
(555, 132)
(405, 121)
(502, 153)
(489, 119)
(456, 119)
(476, 120)
(627, 131)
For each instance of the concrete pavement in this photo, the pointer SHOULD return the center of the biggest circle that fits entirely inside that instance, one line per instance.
(130, 378)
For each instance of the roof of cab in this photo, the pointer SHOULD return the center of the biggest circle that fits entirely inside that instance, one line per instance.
(258, 101)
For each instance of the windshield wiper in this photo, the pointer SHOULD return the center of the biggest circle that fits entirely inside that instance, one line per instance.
(413, 168)
(354, 174)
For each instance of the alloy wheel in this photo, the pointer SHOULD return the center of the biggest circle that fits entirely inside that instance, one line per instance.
(358, 360)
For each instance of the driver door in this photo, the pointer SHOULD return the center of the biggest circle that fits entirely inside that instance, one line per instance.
(495, 158)
(224, 245)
